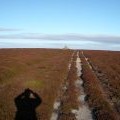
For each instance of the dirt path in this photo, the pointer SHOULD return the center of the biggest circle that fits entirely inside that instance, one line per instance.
(59, 100)
(83, 112)
(71, 101)
(71, 104)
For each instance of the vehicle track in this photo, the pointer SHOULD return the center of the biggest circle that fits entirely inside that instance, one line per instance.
(83, 112)
(72, 93)
(56, 114)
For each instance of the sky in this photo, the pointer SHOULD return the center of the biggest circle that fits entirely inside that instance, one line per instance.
(78, 24)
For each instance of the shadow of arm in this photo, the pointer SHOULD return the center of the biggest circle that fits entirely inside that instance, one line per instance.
(18, 98)
(37, 98)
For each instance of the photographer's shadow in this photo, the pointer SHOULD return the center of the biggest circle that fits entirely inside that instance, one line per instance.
(26, 104)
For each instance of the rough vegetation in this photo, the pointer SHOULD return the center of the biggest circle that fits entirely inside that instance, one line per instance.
(98, 94)
(41, 70)
(52, 74)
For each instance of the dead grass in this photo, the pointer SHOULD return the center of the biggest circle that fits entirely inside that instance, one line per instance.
(96, 99)
(109, 64)
(42, 70)
(69, 99)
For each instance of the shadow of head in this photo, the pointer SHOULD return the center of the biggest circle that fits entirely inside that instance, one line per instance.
(26, 104)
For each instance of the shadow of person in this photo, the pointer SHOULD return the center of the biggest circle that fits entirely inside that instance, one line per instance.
(26, 104)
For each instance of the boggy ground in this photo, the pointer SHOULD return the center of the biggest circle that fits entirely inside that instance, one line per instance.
(41, 70)
(106, 65)
(69, 98)
(46, 71)
(74, 105)
(101, 82)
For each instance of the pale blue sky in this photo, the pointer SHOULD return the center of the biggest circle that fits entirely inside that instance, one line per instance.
(88, 24)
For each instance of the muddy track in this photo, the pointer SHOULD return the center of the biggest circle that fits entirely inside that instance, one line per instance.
(102, 88)
(57, 107)
(71, 104)
(83, 112)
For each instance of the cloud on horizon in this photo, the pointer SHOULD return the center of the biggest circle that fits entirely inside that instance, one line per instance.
(108, 39)
(2, 29)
